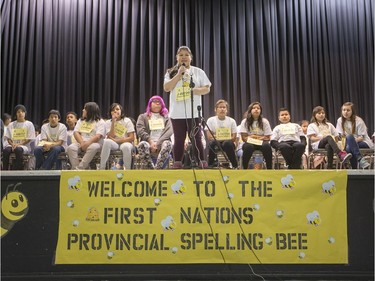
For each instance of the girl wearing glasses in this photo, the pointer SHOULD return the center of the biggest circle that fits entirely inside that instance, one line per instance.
(154, 130)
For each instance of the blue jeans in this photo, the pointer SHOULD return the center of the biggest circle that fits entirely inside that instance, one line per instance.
(353, 147)
(43, 163)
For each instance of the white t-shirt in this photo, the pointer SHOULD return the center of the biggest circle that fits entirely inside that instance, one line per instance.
(180, 98)
(360, 129)
(215, 123)
(321, 130)
(122, 127)
(90, 129)
(255, 130)
(24, 130)
(287, 132)
(155, 134)
(54, 134)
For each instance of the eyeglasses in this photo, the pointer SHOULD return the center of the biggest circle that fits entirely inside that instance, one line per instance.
(155, 101)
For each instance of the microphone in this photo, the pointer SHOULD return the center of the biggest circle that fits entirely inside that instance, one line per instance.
(199, 112)
(183, 64)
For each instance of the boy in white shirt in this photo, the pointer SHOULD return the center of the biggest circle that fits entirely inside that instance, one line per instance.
(53, 141)
(286, 137)
(222, 131)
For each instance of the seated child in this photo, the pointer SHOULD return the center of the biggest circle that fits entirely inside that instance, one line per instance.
(52, 143)
(18, 137)
(286, 137)
(224, 129)
(354, 130)
(323, 134)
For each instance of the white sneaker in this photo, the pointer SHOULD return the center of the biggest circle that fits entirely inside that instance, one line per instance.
(363, 163)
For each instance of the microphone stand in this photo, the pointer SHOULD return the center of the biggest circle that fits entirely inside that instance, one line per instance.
(192, 136)
(204, 123)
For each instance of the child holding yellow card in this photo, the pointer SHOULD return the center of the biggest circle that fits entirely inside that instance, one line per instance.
(221, 131)
(255, 133)
(18, 137)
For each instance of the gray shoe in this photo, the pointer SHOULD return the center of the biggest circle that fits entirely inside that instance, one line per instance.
(363, 163)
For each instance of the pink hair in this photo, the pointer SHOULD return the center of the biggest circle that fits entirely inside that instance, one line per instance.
(163, 110)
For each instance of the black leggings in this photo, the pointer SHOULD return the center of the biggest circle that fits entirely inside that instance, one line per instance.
(18, 162)
(248, 150)
(330, 146)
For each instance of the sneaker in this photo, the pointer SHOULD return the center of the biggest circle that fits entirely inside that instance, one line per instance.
(363, 163)
(344, 156)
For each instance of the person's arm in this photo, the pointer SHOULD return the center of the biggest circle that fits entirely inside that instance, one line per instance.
(210, 137)
(142, 129)
(171, 84)
(264, 137)
(314, 137)
(47, 146)
(78, 137)
(200, 91)
(361, 129)
(129, 138)
(111, 132)
(244, 137)
(87, 143)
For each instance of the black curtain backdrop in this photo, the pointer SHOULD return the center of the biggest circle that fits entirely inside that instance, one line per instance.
(61, 54)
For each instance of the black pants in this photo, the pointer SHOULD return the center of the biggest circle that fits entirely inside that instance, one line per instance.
(18, 162)
(227, 146)
(330, 146)
(248, 150)
(292, 152)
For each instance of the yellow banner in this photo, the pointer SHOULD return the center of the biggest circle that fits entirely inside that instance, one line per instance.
(202, 216)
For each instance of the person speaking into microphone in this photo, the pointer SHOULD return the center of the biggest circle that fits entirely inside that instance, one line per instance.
(181, 81)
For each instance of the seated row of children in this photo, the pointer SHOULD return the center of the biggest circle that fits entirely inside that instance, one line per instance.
(92, 135)
(289, 138)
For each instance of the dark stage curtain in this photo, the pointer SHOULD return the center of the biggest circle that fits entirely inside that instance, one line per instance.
(296, 54)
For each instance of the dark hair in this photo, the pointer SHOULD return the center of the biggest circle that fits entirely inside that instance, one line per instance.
(284, 109)
(18, 107)
(73, 113)
(6, 116)
(174, 69)
(55, 112)
(36, 128)
(112, 107)
(92, 111)
(352, 118)
(316, 110)
(250, 119)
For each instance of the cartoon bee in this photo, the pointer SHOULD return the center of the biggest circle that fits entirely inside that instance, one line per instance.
(168, 223)
(75, 183)
(314, 218)
(329, 187)
(288, 182)
(14, 207)
(178, 187)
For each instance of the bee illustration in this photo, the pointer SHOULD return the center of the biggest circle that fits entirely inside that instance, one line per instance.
(14, 207)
